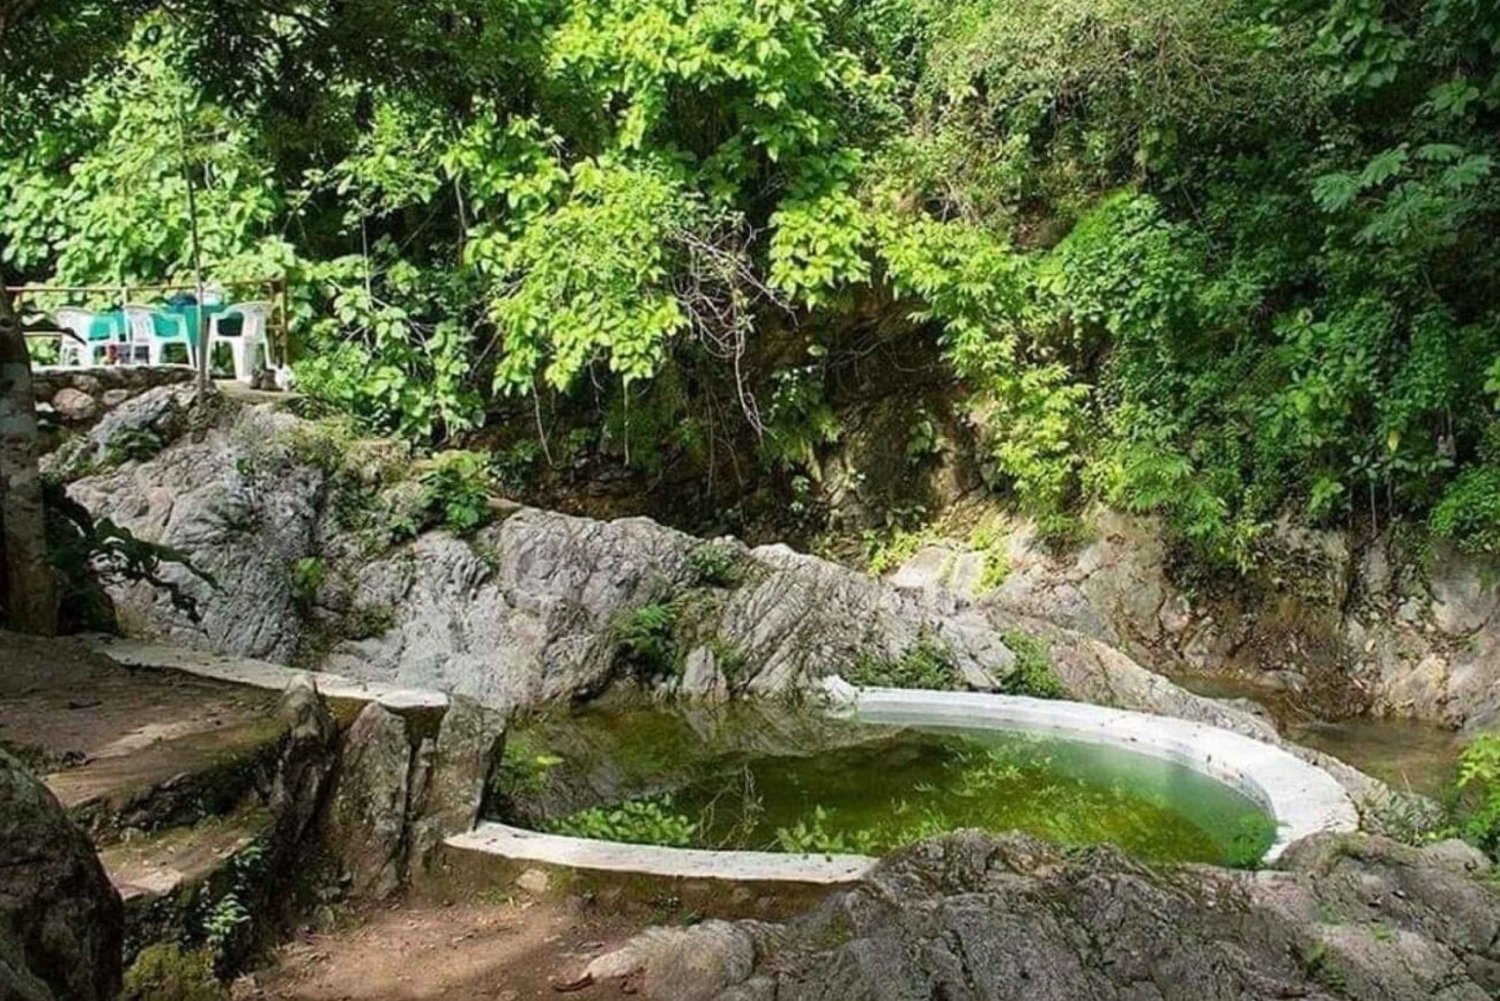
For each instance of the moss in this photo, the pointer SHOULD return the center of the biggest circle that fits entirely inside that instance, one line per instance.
(167, 972)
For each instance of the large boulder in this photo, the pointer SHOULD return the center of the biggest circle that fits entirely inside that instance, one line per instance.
(449, 794)
(61, 922)
(305, 762)
(366, 827)
(971, 916)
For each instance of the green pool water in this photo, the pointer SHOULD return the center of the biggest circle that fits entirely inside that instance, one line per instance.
(871, 789)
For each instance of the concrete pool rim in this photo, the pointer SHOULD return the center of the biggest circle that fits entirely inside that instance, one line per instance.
(1302, 798)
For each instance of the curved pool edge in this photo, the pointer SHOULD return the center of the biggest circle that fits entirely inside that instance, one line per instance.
(1302, 798)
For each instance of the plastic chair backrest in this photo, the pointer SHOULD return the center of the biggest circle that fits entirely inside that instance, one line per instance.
(74, 319)
(253, 326)
(142, 324)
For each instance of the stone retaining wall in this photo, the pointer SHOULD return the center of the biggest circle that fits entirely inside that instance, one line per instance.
(81, 395)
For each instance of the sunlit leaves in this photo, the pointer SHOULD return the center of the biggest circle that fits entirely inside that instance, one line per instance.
(587, 281)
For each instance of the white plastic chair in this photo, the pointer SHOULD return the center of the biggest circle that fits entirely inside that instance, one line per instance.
(142, 322)
(253, 317)
(81, 351)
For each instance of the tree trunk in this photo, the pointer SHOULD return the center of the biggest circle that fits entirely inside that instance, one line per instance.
(28, 590)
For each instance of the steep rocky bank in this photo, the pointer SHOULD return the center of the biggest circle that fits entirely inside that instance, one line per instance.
(1330, 626)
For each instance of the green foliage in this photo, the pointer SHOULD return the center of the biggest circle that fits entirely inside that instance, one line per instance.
(647, 820)
(132, 444)
(306, 579)
(996, 566)
(798, 420)
(1479, 779)
(1212, 261)
(927, 663)
(515, 465)
(165, 971)
(716, 564)
(1033, 674)
(456, 490)
(646, 641)
(1469, 511)
(811, 836)
(524, 769)
(223, 920)
(887, 551)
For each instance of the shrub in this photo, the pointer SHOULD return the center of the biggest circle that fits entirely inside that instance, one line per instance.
(996, 561)
(132, 444)
(165, 972)
(1033, 674)
(456, 490)
(1469, 512)
(306, 578)
(645, 640)
(1479, 779)
(927, 663)
(715, 564)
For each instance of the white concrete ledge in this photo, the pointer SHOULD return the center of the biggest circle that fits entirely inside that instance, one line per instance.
(653, 860)
(264, 674)
(1302, 798)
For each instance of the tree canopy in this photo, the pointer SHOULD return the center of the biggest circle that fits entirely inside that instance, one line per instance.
(1219, 261)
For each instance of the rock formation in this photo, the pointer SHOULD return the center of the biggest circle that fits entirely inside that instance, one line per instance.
(61, 922)
(969, 916)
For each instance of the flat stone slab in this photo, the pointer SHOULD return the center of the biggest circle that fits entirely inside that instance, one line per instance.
(521, 845)
(264, 674)
(1301, 797)
(159, 865)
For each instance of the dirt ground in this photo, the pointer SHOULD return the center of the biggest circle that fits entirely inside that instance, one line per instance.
(63, 705)
(506, 951)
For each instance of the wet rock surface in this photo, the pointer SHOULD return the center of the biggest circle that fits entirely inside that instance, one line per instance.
(972, 916)
(61, 922)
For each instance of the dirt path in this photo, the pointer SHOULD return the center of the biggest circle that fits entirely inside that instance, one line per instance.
(511, 951)
(63, 705)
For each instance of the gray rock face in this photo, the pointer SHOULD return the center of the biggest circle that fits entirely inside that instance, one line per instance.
(448, 798)
(1343, 629)
(405, 781)
(304, 765)
(61, 922)
(695, 964)
(239, 503)
(521, 612)
(970, 916)
(367, 818)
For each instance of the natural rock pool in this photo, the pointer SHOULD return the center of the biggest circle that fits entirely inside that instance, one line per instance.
(782, 779)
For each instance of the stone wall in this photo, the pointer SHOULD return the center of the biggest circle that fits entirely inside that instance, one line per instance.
(79, 396)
